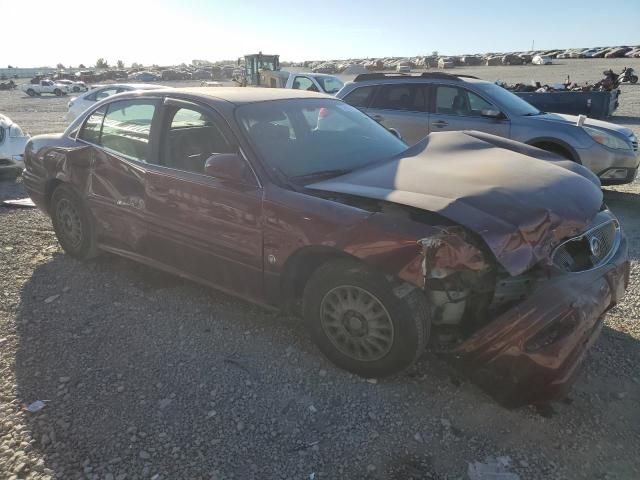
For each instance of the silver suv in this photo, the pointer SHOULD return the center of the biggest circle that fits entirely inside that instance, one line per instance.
(436, 102)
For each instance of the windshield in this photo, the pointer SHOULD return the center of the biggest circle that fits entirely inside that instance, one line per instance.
(330, 84)
(510, 103)
(303, 139)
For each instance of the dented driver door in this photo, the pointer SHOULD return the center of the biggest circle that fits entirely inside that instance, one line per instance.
(118, 137)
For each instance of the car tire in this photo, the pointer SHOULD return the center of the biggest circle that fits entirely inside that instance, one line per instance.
(31, 92)
(73, 223)
(633, 79)
(361, 323)
(76, 89)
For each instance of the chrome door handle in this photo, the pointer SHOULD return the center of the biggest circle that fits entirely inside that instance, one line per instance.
(439, 124)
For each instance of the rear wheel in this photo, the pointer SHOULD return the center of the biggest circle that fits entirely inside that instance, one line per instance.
(633, 79)
(360, 324)
(73, 223)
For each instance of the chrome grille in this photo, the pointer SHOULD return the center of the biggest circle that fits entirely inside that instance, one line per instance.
(588, 250)
(635, 145)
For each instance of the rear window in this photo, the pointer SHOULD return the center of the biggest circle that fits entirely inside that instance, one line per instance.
(360, 97)
(401, 97)
(127, 126)
(92, 128)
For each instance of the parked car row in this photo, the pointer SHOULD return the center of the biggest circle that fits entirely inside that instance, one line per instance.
(490, 59)
(499, 254)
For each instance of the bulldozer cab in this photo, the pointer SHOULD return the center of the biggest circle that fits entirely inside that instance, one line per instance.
(256, 63)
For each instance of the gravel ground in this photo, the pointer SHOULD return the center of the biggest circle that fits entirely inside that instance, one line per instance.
(150, 376)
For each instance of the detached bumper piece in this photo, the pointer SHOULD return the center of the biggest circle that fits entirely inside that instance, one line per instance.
(531, 353)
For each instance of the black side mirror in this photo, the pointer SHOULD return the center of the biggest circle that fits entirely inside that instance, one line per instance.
(229, 166)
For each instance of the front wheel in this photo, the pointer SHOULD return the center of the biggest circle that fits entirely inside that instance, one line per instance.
(360, 324)
(73, 223)
(58, 92)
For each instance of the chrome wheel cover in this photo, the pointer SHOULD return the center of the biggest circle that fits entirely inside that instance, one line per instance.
(357, 323)
(69, 222)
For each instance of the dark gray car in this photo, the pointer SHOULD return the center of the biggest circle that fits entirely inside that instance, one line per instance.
(435, 102)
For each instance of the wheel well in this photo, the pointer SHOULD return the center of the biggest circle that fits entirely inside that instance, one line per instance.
(300, 267)
(49, 189)
(554, 147)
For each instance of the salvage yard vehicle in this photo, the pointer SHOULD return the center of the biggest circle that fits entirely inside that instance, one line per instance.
(541, 60)
(312, 82)
(44, 86)
(73, 86)
(435, 102)
(500, 255)
(12, 143)
(77, 105)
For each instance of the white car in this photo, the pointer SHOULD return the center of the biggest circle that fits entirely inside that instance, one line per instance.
(314, 82)
(79, 104)
(73, 86)
(541, 60)
(12, 143)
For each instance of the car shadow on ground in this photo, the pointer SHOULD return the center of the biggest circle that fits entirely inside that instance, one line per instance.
(134, 361)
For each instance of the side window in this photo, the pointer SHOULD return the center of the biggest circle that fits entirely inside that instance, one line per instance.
(304, 83)
(401, 97)
(192, 138)
(459, 101)
(445, 97)
(360, 97)
(92, 127)
(478, 104)
(127, 126)
(104, 93)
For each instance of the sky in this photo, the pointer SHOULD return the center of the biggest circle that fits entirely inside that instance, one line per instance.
(168, 32)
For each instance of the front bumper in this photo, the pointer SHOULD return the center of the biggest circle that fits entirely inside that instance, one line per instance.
(601, 160)
(531, 353)
(12, 165)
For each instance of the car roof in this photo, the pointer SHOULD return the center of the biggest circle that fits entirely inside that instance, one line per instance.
(426, 77)
(243, 95)
(136, 86)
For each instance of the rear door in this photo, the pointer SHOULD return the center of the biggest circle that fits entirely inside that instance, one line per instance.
(119, 136)
(205, 227)
(457, 108)
(402, 107)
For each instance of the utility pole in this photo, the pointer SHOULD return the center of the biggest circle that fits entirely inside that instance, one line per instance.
(533, 42)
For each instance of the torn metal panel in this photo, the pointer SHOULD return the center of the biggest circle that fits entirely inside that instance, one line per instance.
(531, 352)
(521, 206)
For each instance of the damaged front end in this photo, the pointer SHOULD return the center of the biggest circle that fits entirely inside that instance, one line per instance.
(521, 338)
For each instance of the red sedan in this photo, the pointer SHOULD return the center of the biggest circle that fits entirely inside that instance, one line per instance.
(499, 254)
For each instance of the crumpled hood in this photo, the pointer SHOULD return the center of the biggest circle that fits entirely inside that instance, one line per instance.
(521, 200)
(589, 122)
